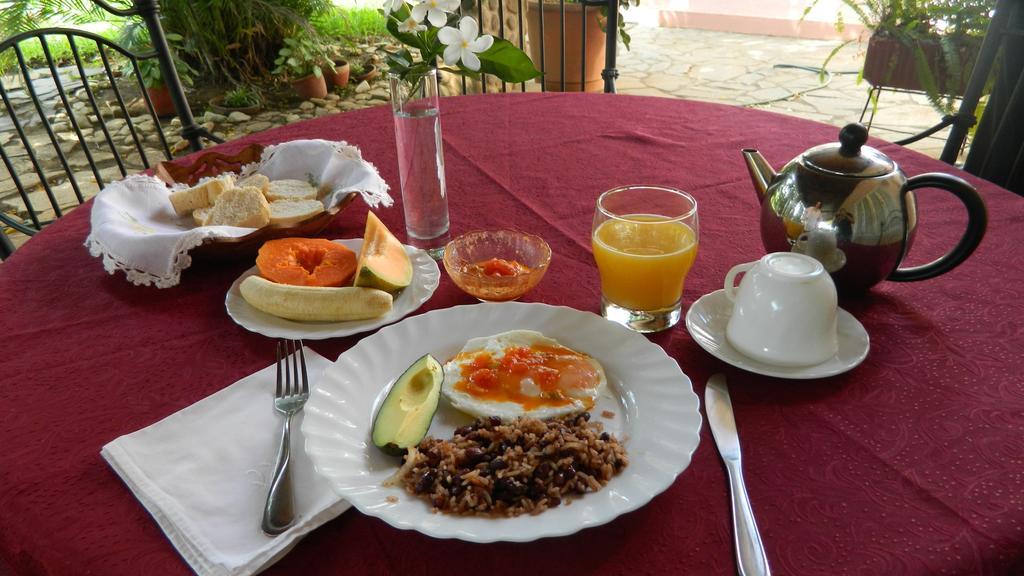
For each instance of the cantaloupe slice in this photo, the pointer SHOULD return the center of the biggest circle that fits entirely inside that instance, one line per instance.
(383, 263)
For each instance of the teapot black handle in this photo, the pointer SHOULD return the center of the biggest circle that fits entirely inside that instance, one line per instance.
(977, 221)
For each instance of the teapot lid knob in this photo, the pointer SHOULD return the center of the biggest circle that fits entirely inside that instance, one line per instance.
(851, 158)
(851, 138)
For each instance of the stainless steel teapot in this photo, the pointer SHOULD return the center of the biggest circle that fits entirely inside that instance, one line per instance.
(852, 208)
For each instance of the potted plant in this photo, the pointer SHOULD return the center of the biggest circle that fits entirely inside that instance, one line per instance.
(365, 72)
(338, 71)
(302, 60)
(245, 99)
(153, 79)
(922, 45)
(552, 38)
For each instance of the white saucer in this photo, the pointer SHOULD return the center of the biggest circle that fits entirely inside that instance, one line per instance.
(708, 316)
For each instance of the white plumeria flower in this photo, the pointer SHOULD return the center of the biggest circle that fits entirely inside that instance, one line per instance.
(394, 5)
(464, 44)
(410, 26)
(436, 11)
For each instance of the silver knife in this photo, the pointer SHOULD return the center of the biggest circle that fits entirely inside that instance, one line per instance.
(750, 557)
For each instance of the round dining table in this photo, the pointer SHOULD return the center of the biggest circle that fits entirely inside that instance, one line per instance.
(911, 463)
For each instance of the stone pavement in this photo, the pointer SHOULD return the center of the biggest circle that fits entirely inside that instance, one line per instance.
(722, 67)
(752, 71)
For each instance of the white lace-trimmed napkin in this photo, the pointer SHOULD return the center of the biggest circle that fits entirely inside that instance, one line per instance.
(135, 229)
(203, 474)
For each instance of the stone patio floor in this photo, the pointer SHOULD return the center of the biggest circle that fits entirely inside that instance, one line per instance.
(766, 72)
(757, 71)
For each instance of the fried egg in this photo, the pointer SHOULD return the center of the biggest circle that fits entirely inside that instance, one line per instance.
(521, 373)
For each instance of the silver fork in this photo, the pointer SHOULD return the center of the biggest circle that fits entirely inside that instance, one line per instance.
(279, 513)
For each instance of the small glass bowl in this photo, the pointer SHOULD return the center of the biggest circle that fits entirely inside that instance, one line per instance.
(462, 254)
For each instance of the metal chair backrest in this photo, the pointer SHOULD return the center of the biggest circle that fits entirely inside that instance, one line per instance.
(551, 32)
(62, 133)
(997, 148)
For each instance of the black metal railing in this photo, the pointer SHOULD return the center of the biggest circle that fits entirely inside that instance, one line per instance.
(997, 149)
(148, 11)
(609, 73)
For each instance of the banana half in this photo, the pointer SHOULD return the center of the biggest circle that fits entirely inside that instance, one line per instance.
(314, 303)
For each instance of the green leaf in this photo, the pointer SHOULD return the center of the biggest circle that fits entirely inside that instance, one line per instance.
(400, 60)
(285, 52)
(507, 62)
(831, 55)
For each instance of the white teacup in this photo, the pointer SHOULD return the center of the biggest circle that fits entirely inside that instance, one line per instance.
(784, 311)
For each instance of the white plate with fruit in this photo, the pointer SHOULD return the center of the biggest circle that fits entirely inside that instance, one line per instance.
(388, 281)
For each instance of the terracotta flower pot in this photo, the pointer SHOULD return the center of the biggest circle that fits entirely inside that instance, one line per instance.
(369, 73)
(893, 64)
(160, 96)
(311, 86)
(337, 78)
(552, 65)
(217, 105)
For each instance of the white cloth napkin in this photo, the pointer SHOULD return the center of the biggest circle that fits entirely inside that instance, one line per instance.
(135, 229)
(203, 473)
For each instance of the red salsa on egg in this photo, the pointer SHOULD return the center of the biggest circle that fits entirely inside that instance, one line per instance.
(554, 370)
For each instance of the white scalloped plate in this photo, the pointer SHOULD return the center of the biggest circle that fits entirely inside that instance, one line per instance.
(656, 414)
(425, 278)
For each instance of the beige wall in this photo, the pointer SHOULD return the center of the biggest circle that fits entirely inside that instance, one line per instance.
(771, 17)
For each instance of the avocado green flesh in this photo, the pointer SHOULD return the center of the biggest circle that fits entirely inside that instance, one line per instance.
(408, 409)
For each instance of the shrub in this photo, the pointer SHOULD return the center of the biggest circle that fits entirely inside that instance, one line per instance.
(238, 40)
(241, 97)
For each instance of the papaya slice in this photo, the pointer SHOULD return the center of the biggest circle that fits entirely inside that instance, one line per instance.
(306, 262)
(383, 262)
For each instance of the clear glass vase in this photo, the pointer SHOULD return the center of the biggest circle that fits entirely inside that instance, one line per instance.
(414, 102)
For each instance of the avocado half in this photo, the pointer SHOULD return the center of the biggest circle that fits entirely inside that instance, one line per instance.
(405, 415)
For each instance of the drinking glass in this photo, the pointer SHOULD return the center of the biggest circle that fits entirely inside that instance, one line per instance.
(644, 240)
(415, 105)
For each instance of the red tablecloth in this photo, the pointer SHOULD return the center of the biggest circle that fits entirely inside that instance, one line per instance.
(911, 464)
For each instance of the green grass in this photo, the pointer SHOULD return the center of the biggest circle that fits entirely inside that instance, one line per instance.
(60, 50)
(351, 24)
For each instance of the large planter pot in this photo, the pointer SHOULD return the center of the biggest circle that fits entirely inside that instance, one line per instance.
(893, 64)
(552, 61)
(217, 105)
(338, 77)
(163, 105)
(311, 86)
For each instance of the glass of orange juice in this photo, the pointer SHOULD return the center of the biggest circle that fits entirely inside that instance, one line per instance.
(644, 240)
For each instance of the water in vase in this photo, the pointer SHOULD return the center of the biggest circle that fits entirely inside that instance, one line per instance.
(421, 167)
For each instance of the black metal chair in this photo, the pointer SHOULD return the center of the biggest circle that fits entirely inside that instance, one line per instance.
(997, 149)
(550, 60)
(46, 191)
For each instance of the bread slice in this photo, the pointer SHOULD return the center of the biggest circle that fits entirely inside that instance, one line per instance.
(218, 186)
(290, 190)
(255, 180)
(202, 215)
(287, 212)
(200, 196)
(243, 207)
